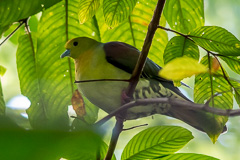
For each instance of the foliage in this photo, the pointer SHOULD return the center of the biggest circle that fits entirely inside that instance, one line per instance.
(48, 81)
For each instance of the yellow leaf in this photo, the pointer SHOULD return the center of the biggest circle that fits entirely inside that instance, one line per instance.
(182, 67)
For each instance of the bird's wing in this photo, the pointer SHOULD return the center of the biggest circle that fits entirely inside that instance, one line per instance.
(125, 56)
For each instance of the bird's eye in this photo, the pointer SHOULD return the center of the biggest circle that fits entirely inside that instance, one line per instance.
(75, 43)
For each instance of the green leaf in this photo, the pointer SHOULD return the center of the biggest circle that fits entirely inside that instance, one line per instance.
(184, 15)
(156, 142)
(48, 145)
(14, 10)
(182, 67)
(216, 39)
(56, 76)
(2, 102)
(187, 156)
(116, 11)
(233, 62)
(87, 9)
(236, 87)
(29, 80)
(206, 87)
(134, 30)
(180, 46)
(2, 70)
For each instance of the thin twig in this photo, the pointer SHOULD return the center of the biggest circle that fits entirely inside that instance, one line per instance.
(168, 29)
(21, 23)
(135, 127)
(97, 80)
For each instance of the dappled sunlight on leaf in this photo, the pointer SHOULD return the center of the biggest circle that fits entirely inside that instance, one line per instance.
(182, 67)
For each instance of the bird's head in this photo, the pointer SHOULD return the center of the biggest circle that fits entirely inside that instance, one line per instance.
(75, 47)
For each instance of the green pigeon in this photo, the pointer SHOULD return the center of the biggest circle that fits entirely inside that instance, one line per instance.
(116, 60)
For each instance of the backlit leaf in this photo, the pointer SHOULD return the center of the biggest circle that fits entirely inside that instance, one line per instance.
(187, 156)
(116, 11)
(184, 15)
(182, 67)
(180, 46)
(2, 102)
(206, 87)
(233, 62)
(15, 10)
(87, 9)
(156, 142)
(216, 39)
(56, 76)
(133, 31)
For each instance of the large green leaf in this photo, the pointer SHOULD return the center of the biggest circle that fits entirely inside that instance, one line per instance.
(2, 102)
(29, 80)
(55, 75)
(187, 156)
(184, 15)
(213, 88)
(216, 39)
(134, 30)
(116, 11)
(180, 46)
(233, 62)
(15, 10)
(156, 142)
(47, 145)
(87, 9)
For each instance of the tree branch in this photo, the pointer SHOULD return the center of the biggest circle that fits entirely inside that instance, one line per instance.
(115, 134)
(180, 103)
(152, 27)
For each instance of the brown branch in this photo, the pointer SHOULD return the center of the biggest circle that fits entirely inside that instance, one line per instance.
(115, 134)
(152, 27)
(180, 103)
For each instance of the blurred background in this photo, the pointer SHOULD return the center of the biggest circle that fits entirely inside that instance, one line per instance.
(224, 13)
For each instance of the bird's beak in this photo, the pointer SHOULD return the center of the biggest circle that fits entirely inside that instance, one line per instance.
(66, 53)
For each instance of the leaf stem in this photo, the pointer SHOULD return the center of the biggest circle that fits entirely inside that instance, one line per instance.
(168, 29)
(30, 38)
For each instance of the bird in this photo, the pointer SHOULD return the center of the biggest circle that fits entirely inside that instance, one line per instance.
(105, 67)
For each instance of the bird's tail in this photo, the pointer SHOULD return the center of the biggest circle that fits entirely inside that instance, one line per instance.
(213, 125)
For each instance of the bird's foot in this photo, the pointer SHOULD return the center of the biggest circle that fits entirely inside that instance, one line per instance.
(125, 98)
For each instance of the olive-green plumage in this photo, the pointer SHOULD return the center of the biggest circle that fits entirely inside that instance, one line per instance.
(116, 60)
